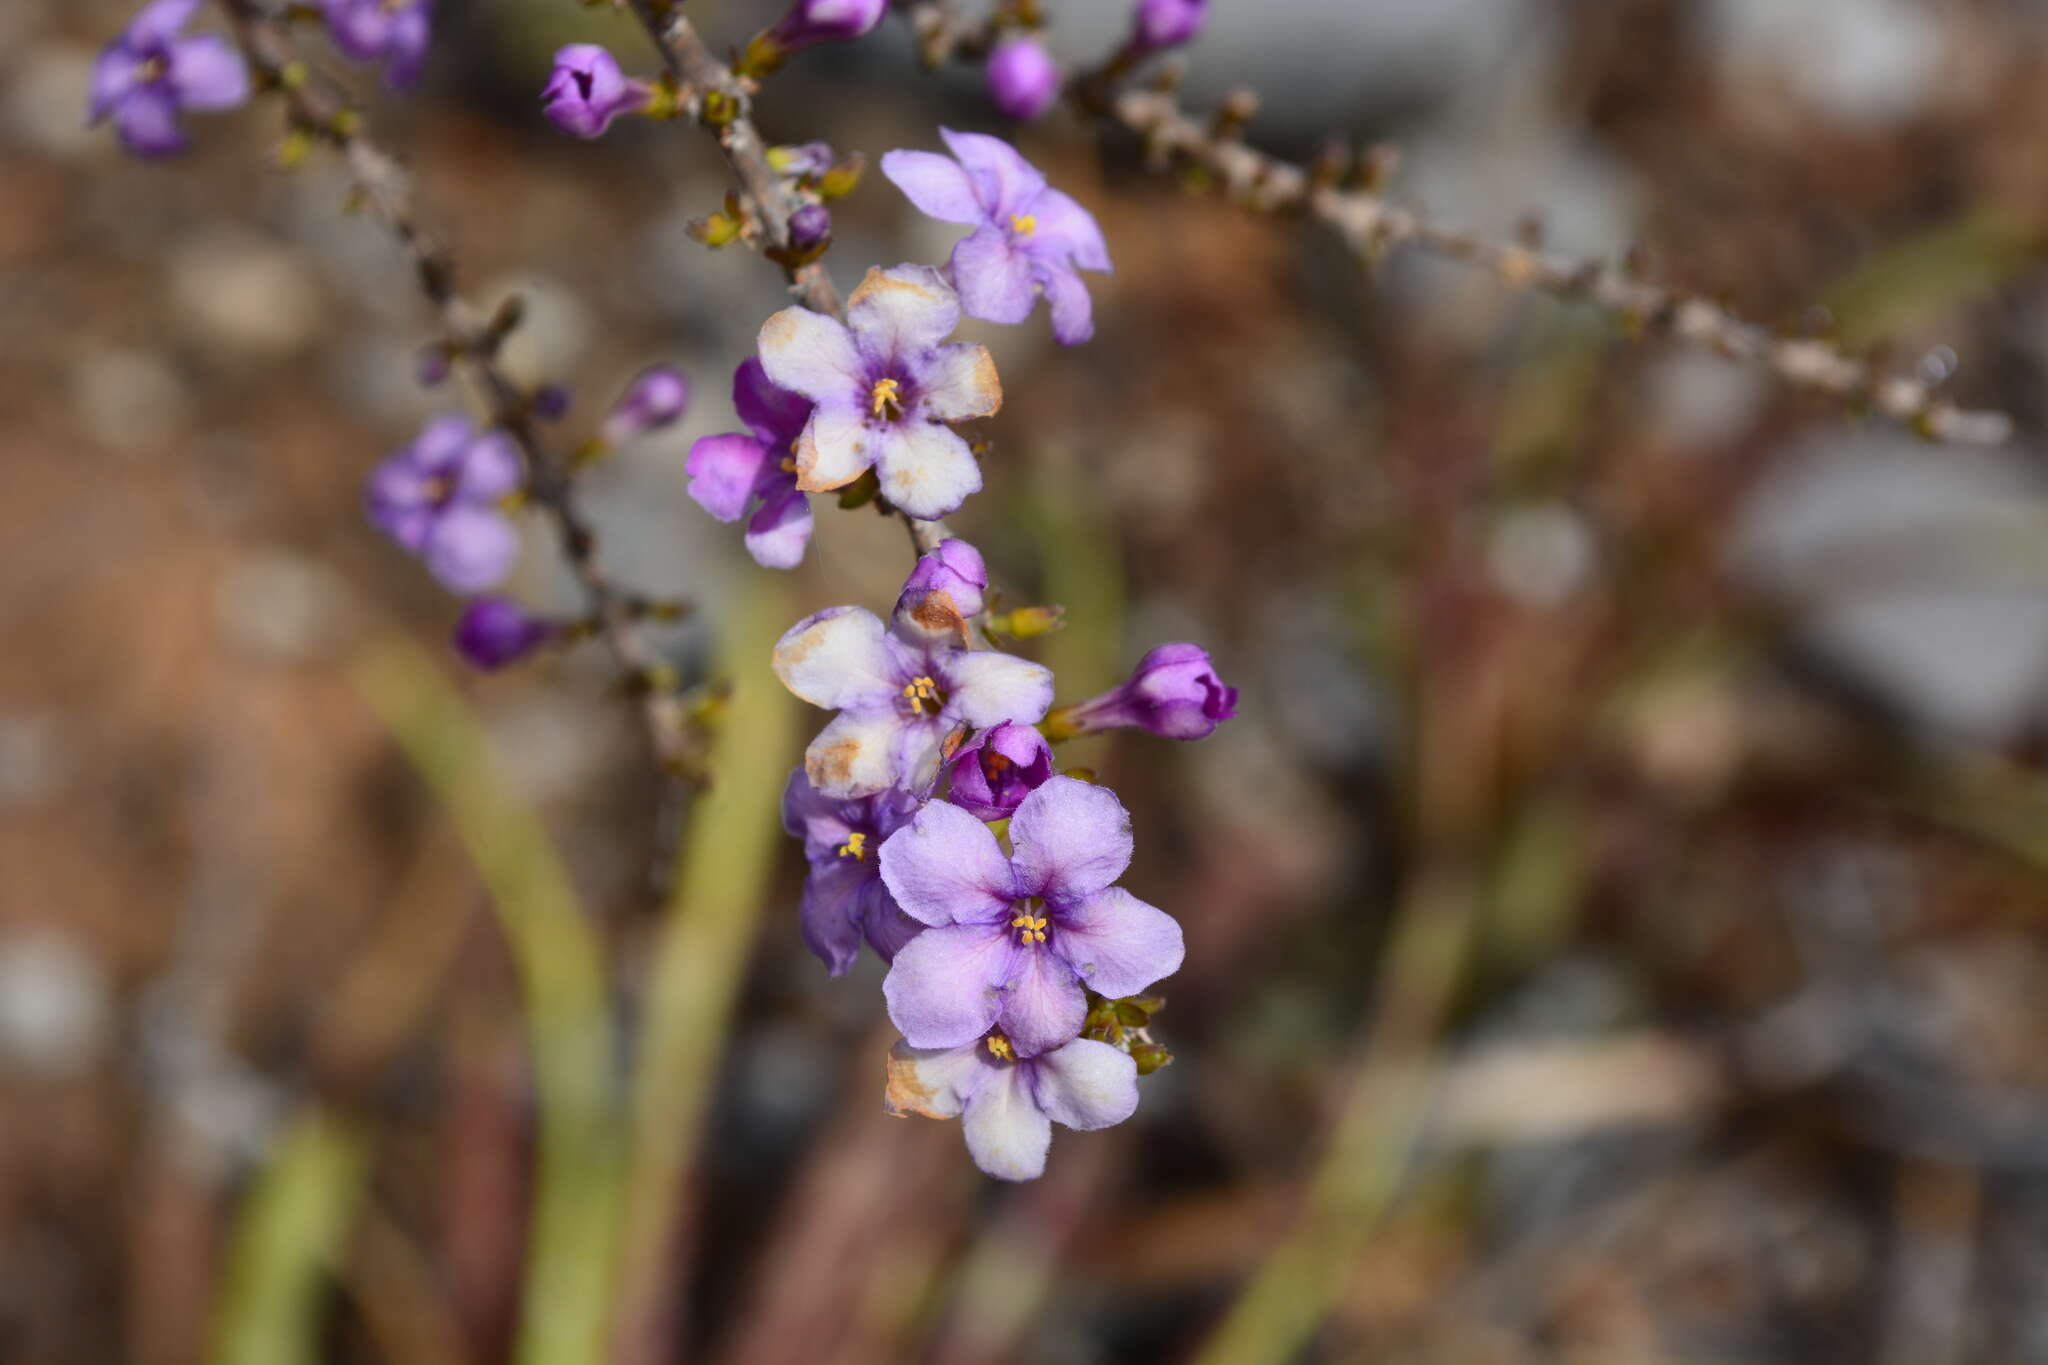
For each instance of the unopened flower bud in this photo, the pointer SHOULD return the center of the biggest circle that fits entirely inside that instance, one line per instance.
(1023, 79)
(494, 632)
(809, 22)
(587, 90)
(654, 400)
(1161, 24)
(943, 592)
(1174, 693)
(810, 227)
(994, 772)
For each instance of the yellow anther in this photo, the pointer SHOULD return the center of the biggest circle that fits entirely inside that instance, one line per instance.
(856, 846)
(1023, 226)
(888, 393)
(788, 465)
(1030, 928)
(999, 1046)
(920, 690)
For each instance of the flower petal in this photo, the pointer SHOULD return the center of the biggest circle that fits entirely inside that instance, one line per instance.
(986, 687)
(779, 531)
(1073, 312)
(896, 314)
(957, 382)
(772, 413)
(113, 76)
(838, 658)
(207, 73)
(945, 867)
(993, 276)
(810, 815)
(159, 20)
(147, 120)
(858, 754)
(1044, 1005)
(1085, 1085)
(945, 988)
(1117, 943)
(1003, 180)
(934, 1082)
(836, 447)
(935, 184)
(1071, 839)
(470, 549)
(888, 928)
(490, 468)
(722, 471)
(1064, 227)
(812, 355)
(1007, 1134)
(830, 912)
(927, 469)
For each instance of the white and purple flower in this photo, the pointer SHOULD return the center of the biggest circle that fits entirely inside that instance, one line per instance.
(442, 498)
(884, 388)
(1007, 1104)
(147, 76)
(844, 899)
(1015, 939)
(732, 471)
(1028, 238)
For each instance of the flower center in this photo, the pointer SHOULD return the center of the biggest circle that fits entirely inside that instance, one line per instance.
(999, 1046)
(855, 847)
(887, 398)
(154, 68)
(994, 764)
(1023, 226)
(1030, 928)
(921, 692)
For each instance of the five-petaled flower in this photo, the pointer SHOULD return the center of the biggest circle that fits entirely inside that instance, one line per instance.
(1015, 939)
(730, 471)
(898, 700)
(844, 898)
(395, 32)
(587, 90)
(1028, 238)
(147, 75)
(1007, 1104)
(1173, 693)
(441, 498)
(885, 388)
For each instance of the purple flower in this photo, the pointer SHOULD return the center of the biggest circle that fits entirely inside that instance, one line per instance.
(826, 21)
(1015, 939)
(844, 898)
(1028, 239)
(1160, 24)
(656, 398)
(944, 591)
(999, 768)
(729, 472)
(395, 32)
(440, 498)
(587, 90)
(885, 388)
(1023, 79)
(898, 700)
(495, 631)
(1174, 693)
(147, 75)
(1008, 1104)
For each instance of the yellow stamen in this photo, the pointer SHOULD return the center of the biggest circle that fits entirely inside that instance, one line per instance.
(1030, 928)
(999, 1046)
(1023, 226)
(855, 847)
(887, 394)
(920, 690)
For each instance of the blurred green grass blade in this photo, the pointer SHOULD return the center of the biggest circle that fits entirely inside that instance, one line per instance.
(568, 1262)
(1896, 289)
(723, 869)
(288, 1239)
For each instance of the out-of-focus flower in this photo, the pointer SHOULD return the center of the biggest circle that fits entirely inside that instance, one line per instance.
(1028, 239)
(1160, 24)
(1023, 79)
(1015, 939)
(1174, 693)
(395, 32)
(898, 700)
(147, 76)
(729, 472)
(587, 90)
(944, 591)
(495, 631)
(657, 397)
(808, 23)
(1001, 766)
(441, 498)
(844, 898)
(885, 388)
(1008, 1103)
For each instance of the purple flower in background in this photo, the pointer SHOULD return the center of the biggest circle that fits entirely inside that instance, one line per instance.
(1174, 693)
(1023, 79)
(657, 397)
(1015, 939)
(826, 21)
(495, 631)
(844, 898)
(587, 90)
(885, 388)
(1160, 24)
(999, 768)
(730, 471)
(441, 497)
(944, 591)
(147, 75)
(1028, 239)
(1008, 1104)
(395, 32)
(898, 700)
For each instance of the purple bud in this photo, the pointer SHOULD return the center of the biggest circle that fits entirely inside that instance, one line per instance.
(551, 402)
(1001, 766)
(806, 158)
(1023, 79)
(810, 226)
(587, 90)
(654, 400)
(494, 632)
(1174, 693)
(944, 590)
(826, 21)
(1161, 24)
(432, 366)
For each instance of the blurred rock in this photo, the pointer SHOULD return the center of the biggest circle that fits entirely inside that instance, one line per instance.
(56, 1005)
(32, 758)
(246, 295)
(282, 606)
(47, 91)
(128, 400)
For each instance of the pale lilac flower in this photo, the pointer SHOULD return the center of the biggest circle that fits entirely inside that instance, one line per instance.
(1173, 693)
(1014, 940)
(898, 700)
(844, 898)
(441, 498)
(395, 32)
(495, 632)
(885, 388)
(146, 76)
(1007, 1104)
(1028, 239)
(587, 90)
(730, 472)
(1001, 766)
(944, 591)
(1023, 79)
(657, 397)
(1161, 24)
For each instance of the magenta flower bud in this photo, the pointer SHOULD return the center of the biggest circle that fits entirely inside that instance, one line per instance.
(1161, 24)
(995, 772)
(587, 90)
(1174, 694)
(943, 592)
(809, 22)
(494, 632)
(810, 227)
(655, 400)
(1023, 79)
